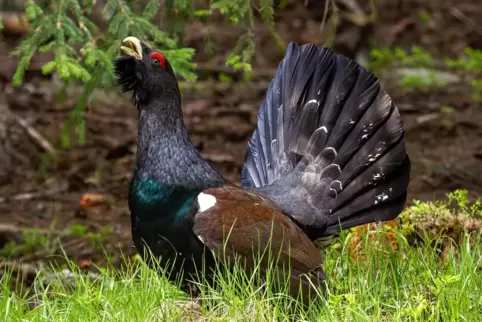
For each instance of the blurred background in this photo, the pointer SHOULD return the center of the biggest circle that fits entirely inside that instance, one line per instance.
(426, 53)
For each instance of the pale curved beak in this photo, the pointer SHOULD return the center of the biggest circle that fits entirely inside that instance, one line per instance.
(132, 46)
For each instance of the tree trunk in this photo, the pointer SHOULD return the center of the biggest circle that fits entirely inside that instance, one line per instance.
(16, 150)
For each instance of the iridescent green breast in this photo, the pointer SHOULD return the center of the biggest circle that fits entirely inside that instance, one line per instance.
(149, 200)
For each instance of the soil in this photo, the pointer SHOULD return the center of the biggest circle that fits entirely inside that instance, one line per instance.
(88, 183)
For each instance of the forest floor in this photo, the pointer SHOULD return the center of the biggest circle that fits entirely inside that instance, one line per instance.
(84, 193)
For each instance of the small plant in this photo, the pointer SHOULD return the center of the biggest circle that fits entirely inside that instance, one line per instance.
(464, 207)
(78, 230)
(47, 243)
(32, 240)
(96, 238)
(421, 71)
(416, 68)
(471, 63)
(461, 198)
(445, 222)
(381, 58)
(442, 222)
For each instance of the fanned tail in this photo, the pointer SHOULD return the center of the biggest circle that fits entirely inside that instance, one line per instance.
(329, 144)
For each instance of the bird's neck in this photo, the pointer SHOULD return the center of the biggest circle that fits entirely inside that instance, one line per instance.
(169, 170)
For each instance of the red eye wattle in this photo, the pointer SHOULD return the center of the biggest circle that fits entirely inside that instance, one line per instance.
(159, 59)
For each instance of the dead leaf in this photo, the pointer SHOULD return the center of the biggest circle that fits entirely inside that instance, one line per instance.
(84, 263)
(89, 200)
(384, 240)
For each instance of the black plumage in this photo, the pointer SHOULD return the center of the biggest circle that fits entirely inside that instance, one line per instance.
(328, 152)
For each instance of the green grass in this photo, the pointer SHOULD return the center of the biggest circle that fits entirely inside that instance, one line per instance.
(405, 284)
(372, 278)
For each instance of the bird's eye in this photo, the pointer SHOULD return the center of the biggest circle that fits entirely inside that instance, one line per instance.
(158, 59)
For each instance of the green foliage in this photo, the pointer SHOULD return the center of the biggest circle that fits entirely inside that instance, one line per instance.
(242, 13)
(383, 58)
(225, 78)
(83, 50)
(47, 243)
(457, 204)
(445, 109)
(424, 16)
(65, 28)
(471, 63)
(96, 239)
(426, 71)
(240, 57)
(443, 219)
(33, 240)
(415, 70)
(465, 206)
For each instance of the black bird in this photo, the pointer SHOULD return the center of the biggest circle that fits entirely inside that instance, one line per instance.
(328, 153)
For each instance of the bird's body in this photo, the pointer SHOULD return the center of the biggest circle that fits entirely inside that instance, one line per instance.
(328, 153)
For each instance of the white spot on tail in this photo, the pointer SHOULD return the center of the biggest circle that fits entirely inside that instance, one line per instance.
(378, 175)
(372, 157)
(324, 129)
(336, 192)
(331, 148)
(205, 201)
(381, 197)
(313, 102)
(339, 182)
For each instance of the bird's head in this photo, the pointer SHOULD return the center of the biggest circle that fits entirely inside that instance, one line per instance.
(143, 70)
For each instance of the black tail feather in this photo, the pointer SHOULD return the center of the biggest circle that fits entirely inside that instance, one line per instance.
(329, 145)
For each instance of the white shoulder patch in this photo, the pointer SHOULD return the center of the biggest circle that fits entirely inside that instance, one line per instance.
(205, 201)
(201, 239)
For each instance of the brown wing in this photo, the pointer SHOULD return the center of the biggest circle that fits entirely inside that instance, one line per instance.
(250, 220)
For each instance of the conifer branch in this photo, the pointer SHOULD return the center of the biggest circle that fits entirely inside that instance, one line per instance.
(83, 52)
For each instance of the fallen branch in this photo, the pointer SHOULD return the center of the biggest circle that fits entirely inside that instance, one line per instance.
(34, 195)
(36, 136)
